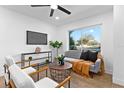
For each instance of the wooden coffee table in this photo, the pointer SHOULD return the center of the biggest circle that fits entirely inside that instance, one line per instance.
(60, 72)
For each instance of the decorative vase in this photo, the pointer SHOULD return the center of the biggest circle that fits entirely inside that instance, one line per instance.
(47, 61)
(30, 59)
(61, 62)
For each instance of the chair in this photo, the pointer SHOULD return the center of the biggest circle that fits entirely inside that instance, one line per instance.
(10, 61)
(16, 80)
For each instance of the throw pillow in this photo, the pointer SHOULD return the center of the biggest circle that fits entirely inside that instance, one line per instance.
(92, 56)
(84, 55)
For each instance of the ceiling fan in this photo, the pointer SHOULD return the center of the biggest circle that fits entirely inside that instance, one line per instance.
(53, 7)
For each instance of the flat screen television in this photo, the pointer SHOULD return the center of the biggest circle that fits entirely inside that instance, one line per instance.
(36, 38)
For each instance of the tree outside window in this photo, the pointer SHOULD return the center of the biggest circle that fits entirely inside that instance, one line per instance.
(85, 38)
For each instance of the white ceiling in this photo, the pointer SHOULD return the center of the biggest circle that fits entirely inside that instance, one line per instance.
(77, 12)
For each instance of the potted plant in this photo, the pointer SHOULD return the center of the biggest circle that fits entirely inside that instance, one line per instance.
(61, 59)
(47, 61)
(56, 44)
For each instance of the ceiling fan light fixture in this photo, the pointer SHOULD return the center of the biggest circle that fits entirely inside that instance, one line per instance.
(57, 18)
(54, 6)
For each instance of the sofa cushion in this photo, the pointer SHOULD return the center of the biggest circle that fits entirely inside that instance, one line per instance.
(67, 59)
(92, 56)
(73, 54)
(84, 55)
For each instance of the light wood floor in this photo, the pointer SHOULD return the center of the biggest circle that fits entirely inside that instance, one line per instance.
(78, 81)
(97, 81)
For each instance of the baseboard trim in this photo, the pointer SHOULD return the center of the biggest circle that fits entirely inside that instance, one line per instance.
(109, 72)
(118, 81)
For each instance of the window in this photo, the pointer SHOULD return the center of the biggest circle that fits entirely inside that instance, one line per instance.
(85, 38)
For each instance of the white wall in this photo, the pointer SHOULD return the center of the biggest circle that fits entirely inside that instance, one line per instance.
(106, 40)
(118, 71)
(13, 28)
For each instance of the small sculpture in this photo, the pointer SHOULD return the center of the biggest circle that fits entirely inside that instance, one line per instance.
(37, 50)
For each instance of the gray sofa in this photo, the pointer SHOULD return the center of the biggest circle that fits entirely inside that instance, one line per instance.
(75, 54)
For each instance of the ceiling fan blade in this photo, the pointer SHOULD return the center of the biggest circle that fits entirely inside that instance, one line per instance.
(64, 10)
(51, 12)
(39, 5)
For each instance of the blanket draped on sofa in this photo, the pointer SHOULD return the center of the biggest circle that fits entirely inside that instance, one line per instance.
(82, 67)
